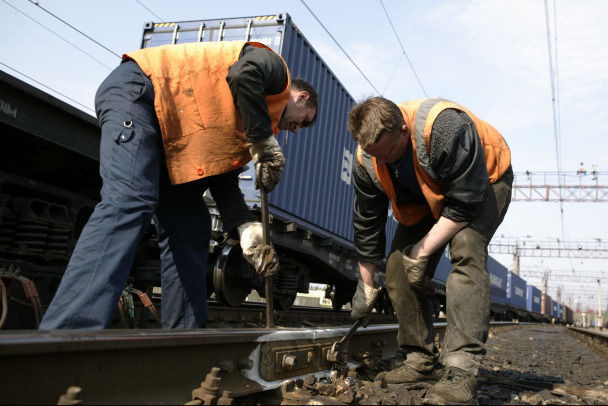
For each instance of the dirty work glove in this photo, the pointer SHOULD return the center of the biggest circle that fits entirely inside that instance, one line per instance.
(268, 154)
(415, 271)
(363, 301)
(261, 256)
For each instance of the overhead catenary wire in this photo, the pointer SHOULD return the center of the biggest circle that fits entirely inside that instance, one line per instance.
(553, 104)
(393, 74)
(75, 29)
(402, 49)
(57, 35)
(150, 11)
(558, 129)
(339, 46)
(53, 90)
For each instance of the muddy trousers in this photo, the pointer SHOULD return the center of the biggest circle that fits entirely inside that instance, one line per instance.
(136, 189)
(467, 289)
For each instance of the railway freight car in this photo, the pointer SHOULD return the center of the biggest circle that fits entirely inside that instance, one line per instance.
(534, 304)
(49, 185)
(546, 305)
(498, 282)
(498, 292)
(516, 298)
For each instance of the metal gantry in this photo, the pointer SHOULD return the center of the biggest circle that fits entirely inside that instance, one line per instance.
(574, 186)
(526, 247)
(597, 248)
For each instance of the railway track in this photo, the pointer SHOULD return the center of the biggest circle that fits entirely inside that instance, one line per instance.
(160, 366)
(156, 366)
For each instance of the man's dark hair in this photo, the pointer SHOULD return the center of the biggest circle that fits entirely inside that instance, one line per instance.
(300, 85)
(372, 118)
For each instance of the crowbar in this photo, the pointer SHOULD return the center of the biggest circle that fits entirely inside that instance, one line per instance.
(266, 241)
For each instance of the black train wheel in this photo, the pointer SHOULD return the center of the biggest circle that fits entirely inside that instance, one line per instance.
(231, 289)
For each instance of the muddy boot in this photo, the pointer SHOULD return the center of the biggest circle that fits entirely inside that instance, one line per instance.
(456, 386)
(406, 373)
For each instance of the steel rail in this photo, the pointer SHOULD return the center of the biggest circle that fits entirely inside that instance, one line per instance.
(161, 366)
(168, 366)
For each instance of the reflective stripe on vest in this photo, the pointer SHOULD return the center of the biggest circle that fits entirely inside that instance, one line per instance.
(367, 162)
(424, 157)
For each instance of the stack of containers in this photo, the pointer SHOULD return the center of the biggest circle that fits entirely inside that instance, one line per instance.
(533, 300)
(498, 281)
(554, 312)
(516, 291)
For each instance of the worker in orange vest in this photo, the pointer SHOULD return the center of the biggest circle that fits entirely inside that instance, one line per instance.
(177, 120)
(447, 175)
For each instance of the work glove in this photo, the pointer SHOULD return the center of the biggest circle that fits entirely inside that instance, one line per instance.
(415, 270)
(268, 154)
(363, 301)
(261, 256)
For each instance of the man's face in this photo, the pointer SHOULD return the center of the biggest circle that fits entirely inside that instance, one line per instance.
(390, 147)
(297, 115)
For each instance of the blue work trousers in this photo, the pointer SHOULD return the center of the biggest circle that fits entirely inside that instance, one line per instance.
(136, 189)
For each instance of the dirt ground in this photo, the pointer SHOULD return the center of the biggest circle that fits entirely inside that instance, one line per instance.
(537, 365)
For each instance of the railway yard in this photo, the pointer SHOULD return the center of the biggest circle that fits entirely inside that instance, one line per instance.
(248, 353)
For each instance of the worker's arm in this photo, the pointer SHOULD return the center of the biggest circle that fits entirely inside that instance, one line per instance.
(238, 219)
(370, 215)
(366, 294)
(437, 237)
(457, 157)
(230, 202)
(257, 73)
(458, 160)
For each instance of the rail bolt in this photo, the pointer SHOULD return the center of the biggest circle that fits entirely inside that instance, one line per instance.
(73, 396)
(209, 389)
(226, 398)
(245, 363)
(309, 357)
(289, 362)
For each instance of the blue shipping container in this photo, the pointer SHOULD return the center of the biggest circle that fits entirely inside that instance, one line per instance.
(498, 281)
(554, 308)
(443, 267)
(533, 299)
(516, 291)
(316, 190)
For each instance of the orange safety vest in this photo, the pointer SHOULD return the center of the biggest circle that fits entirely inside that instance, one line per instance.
(203, 134)
(419, 116)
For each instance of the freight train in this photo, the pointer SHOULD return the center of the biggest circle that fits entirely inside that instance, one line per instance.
(49, 186)
(512, 298)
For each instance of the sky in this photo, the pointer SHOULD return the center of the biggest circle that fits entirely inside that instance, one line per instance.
(536, 70)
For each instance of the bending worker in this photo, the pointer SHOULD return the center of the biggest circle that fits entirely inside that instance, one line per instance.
(448, 177)
(175, 121)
